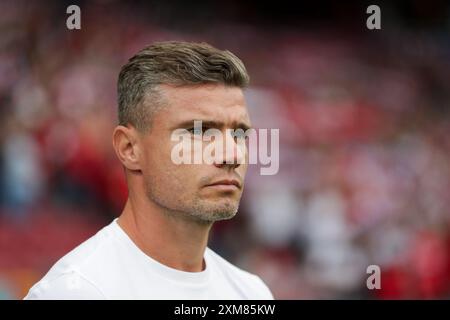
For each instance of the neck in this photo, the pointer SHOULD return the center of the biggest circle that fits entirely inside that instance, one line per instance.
(168, 237)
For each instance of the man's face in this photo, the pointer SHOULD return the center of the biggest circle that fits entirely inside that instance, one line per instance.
(186, 188)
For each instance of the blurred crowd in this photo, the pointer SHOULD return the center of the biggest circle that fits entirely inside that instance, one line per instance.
(364, 148)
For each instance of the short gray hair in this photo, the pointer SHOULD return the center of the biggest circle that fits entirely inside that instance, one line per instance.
(174, 63)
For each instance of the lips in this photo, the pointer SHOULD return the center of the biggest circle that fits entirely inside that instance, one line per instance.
(226, 182)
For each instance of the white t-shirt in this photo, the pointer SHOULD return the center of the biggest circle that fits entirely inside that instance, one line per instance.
(110, 266)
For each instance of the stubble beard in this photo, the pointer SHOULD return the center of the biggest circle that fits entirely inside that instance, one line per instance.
(195, 208)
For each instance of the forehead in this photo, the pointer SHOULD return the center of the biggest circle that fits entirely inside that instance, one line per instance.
(203, 102)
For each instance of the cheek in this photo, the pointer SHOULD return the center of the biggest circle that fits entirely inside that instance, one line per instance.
(159, 156)
(158, 170)
(242, 169)
(183, 178)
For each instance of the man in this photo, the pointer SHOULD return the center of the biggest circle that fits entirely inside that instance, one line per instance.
(157, 248)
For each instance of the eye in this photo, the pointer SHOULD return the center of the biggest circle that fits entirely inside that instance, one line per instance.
(240, 134)
(196, 131)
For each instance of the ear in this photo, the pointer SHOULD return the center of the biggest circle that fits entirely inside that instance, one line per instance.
(125, 143)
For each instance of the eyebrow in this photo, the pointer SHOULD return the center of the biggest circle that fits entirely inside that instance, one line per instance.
(212, 124)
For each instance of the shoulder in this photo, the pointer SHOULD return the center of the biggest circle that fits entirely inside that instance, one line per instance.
(71, 276)
(252, 285)
(67, 286)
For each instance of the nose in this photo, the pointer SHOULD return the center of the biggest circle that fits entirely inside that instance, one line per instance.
(233, 152)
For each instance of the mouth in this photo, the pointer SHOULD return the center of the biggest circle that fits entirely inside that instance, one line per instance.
(226, 184)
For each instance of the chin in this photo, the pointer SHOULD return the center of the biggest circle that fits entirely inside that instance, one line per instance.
(217, 212)
(224, 213)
